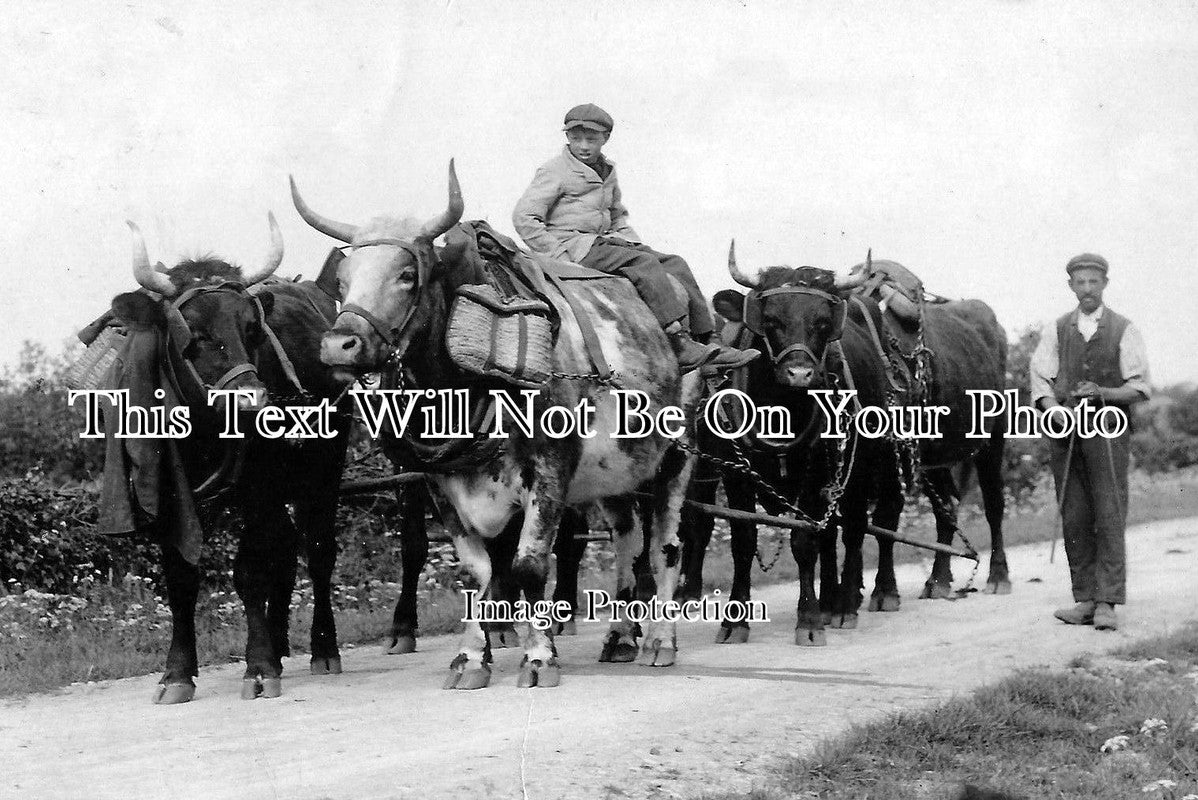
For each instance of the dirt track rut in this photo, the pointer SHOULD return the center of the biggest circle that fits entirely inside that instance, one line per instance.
(384, 728)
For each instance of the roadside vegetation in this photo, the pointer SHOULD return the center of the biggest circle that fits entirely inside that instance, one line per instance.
(78, 606)
(1106, 728)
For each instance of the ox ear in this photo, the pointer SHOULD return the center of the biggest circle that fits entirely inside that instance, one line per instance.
(137, 309)
(730, 304)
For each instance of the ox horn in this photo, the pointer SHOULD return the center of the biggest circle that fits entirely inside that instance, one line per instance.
(855, 279)
(438, 225)
(273, 258)
(145, 274)
(338, 230)
(734, 270)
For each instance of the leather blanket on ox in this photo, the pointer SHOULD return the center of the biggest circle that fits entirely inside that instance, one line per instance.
(144, 485)
(506, 326)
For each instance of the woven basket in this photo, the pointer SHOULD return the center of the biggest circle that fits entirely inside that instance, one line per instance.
(90, 370)
(506, 338)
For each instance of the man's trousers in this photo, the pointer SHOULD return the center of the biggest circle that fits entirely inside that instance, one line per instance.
(1094, 513)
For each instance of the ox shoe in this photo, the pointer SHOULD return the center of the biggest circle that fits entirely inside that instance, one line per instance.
(1080, 614)
(1104, 617)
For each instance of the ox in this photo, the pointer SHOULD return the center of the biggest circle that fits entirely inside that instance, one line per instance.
(968, 352)
(222, 327)
(397, 290)
(808, 475)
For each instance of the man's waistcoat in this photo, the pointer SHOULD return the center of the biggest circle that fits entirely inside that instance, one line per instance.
(1096, 360)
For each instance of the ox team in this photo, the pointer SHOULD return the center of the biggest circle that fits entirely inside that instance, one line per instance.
(573, 212)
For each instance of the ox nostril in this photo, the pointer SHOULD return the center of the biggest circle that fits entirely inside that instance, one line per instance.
(350, 343)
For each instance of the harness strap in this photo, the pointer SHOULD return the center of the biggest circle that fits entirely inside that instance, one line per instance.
(589, 337)
(877, 342)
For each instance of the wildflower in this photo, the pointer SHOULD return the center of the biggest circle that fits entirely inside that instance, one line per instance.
(1190, 797)
(1158, 786)
(1154, 727)
(1194, 729)
(1116, 743)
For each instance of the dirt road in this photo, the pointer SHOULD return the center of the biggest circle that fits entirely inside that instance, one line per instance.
(385, 729)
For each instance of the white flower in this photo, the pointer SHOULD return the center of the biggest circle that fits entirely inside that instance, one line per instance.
(1116, 743)
(1154, 727)
(1157, 786)
(1190, 797)
(1194, 729)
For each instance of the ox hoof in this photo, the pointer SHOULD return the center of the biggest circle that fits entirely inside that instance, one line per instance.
(504, 637)
(469, 679)
(169, 694)
(844, 621)
(401, 645)
(998, 587)
(618, 649)
(805, 637)
(326, 666)
(936, 591)
(536, 673)
(656, 654)
(734, 635)
(567, 628)
(252, 688)
(886, 601)
(825, 618)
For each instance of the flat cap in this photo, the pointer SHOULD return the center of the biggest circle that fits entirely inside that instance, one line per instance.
(588, 115)
(1087, 261)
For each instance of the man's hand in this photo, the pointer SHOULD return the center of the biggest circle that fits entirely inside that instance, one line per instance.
(1088, 389)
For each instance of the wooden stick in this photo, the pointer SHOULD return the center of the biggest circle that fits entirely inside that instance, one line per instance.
(367, 485)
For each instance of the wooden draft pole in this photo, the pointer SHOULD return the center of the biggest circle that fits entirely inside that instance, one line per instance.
(368, 485)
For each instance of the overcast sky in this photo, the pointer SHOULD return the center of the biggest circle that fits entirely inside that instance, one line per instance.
(981, 144)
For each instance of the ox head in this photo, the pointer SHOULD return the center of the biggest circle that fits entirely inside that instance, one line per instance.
(383, 282)
(798, 313)
(212, 324)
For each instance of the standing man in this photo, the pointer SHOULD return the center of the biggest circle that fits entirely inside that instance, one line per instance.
(1096, 356)
(573, 211)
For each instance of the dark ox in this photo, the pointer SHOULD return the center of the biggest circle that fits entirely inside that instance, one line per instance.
(801, 320)
(217, 334)
(969, 352)
(396, 291)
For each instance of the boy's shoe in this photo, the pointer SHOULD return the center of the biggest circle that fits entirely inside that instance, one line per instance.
(731, 358)
(1080, 614)
(691, 355)
(1104, 617)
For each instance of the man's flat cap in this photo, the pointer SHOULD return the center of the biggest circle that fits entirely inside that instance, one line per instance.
(589, 115)
(1087, 261)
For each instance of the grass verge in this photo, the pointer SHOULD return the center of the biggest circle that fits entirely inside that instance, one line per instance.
(1125, 725)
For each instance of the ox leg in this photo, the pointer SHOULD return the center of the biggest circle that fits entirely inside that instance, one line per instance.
(854, 519)
(829, 576)
(660, 647)
(734, 625)
(318, 521)
(267, 548)
(887, 513)
(182, 666)
(543, 511)
(502, 550)
(696, 530)
(941, 491)
(809, 623)
(413, 543)
(471, 667)
(621, 643)
(989, 464)
(569, 548)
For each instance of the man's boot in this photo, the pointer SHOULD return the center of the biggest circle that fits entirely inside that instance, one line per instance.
(1080, 614)
(1104, 617)
(691, 355)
